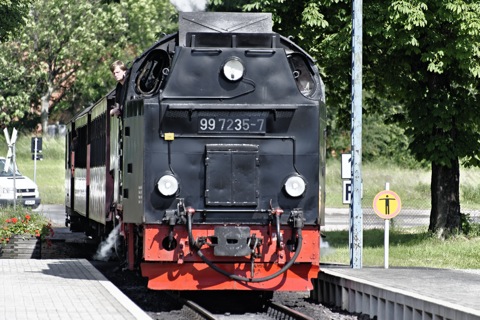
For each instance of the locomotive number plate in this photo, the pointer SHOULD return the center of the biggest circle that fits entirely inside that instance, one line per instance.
(252, 124)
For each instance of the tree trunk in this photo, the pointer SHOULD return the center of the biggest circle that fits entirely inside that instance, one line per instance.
(445, 188)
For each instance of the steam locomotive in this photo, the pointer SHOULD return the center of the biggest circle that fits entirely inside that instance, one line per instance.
(214, 173)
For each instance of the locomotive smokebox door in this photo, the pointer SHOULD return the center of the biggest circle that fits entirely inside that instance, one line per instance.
(231, 177)
(232, 241)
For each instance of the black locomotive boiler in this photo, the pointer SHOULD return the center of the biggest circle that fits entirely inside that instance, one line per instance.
(214, 173)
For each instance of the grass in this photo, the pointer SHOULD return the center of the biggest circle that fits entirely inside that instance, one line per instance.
(413, 247)
(412, 185)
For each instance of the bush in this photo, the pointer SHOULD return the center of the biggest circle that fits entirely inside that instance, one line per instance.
(469, 228)
(381, 142)
(22, 221)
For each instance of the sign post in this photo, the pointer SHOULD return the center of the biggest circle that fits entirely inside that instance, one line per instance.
(11, 161)
(387, 205)
(36, 147)
(346, 174)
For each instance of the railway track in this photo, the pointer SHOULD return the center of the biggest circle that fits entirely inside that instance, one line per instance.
(279, 311)
(239, 305)
(271, 310)
(232, 306)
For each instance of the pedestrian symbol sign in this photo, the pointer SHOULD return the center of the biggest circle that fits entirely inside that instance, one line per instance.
(387, 204)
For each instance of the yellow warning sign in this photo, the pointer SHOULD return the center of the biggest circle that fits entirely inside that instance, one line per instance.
(387, 204)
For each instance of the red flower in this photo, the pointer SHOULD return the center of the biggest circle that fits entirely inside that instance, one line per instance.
(8, 220)
(14, 220)
(27, 217)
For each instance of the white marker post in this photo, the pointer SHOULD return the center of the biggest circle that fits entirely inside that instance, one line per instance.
(386, 240)
(11, 161)
(35, 161)
(387, 205)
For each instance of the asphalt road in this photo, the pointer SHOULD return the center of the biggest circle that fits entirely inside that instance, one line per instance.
(54, 212)
(339, 218)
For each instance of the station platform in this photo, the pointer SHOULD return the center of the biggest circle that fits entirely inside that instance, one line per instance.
(32, 289)
(402, 293)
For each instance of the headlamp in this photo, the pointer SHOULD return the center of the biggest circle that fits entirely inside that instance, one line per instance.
(167, 185)
(295, 186)
(233, 69)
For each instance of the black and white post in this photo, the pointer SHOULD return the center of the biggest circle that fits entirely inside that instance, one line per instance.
(11, 161)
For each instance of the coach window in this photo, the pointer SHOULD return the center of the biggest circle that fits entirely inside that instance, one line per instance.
(152, 72)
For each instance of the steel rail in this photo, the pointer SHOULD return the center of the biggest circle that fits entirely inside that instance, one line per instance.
(279, 311)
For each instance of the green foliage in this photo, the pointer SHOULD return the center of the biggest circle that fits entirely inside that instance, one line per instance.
(12, 13)
(382, 142)
(435, 46)
(13, 101)
(147, 21)
(60, 38)
(63, 54)
(469, 227)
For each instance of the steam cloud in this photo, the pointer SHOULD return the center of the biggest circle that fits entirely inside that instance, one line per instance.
(189, 5)
(104, 251)
(325, 248)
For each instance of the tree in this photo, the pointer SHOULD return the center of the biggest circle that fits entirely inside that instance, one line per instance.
(143, 22)
(60, 38)
(148, 21)
(13, 14)
(60, 61)
(432, 49)
(13, 102)
(423, 57)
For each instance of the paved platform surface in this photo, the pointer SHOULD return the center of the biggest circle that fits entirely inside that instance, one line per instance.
(33, 289)
(456, 288)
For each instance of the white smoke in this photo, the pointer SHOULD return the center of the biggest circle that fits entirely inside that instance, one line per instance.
(104, 251)
(325, 248)
(189, 5)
